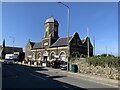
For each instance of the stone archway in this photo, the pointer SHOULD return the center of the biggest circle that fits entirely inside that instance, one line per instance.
(39, 56)
(75, 54)
(62, 56)
(33, 55)
(52, 55)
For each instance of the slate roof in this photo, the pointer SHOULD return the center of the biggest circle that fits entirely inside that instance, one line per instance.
(38, 45)
(32, 43)
(8, 50)
(84, 41)
(61, 42)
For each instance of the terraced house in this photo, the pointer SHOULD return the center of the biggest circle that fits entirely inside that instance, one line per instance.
(52, 47)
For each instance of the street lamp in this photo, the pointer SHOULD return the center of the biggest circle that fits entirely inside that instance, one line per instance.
(13, 42)
(68, 29)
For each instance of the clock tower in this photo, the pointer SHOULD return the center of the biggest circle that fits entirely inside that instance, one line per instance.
(51, 32)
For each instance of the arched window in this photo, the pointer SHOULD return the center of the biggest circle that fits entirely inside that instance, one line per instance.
(53, 55)
(33, 56)
(63, 56)
(75, 54)
(45, 53)
(39, 56)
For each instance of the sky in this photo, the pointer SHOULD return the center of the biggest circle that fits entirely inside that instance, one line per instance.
(25, 20)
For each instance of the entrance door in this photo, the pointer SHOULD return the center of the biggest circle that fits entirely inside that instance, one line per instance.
(45, 58)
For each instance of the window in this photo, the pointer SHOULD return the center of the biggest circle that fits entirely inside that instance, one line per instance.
(52, 55)
(62, 56)
(33, 56)
(50, 27)
(39, 56)
(78, 42)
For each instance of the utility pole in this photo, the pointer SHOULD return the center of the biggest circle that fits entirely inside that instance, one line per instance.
(68, 29)
(13, 42)
(106, 51)
(88, 42)
(94, 44)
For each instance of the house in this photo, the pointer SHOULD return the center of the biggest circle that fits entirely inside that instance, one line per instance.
(6, 51)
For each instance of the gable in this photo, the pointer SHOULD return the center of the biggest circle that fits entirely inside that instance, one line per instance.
(76, 39)
(84, 41)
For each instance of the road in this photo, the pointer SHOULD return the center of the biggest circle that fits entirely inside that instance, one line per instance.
(32, 78)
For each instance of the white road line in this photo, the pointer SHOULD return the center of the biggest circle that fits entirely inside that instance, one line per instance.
(37, 76)
(67, 87)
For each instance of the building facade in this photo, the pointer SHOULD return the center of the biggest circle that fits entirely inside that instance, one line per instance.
(52, 47)
(7, 50)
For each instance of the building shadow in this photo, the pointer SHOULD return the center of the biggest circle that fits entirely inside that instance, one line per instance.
(38, 81)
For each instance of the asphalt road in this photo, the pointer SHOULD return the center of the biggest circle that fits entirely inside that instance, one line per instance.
(32, 78)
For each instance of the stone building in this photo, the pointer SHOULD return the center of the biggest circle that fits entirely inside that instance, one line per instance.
(53, 47)
(7, 50)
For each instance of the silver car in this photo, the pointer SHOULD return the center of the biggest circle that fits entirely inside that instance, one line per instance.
(63, 65)
(9, 61)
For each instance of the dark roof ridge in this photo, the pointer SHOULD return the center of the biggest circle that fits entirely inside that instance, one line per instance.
(61, 38)
(65, 37)
(12, 47)
(38, 42)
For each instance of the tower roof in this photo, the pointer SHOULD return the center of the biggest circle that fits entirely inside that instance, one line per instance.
(51, 19)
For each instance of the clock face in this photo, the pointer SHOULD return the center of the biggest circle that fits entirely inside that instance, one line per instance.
(46, 43)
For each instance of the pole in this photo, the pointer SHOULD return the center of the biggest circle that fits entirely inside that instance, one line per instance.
(68, 37)
(68, 29)
(88, 42)
(13, 42)
(94, 44)
(106, 51)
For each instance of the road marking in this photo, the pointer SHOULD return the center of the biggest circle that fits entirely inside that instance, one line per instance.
(67, 87)
(37, 76)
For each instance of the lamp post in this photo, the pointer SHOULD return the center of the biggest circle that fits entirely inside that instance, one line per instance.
(68, 29)
(88, 46)
(13, 42)
(94, 44)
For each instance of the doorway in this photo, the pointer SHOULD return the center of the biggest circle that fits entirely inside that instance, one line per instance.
(45, 59)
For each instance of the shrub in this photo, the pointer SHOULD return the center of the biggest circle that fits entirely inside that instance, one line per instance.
(103, 61)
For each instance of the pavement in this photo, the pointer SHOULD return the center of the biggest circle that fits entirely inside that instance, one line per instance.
(92, 78)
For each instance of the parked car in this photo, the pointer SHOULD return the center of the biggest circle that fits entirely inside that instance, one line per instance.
(63, 65)
(55, 64)
(9, 61)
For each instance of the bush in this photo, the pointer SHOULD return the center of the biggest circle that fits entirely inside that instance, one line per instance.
(103, 61)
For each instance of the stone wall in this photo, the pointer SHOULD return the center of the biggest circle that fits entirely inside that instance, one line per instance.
(85, 68)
